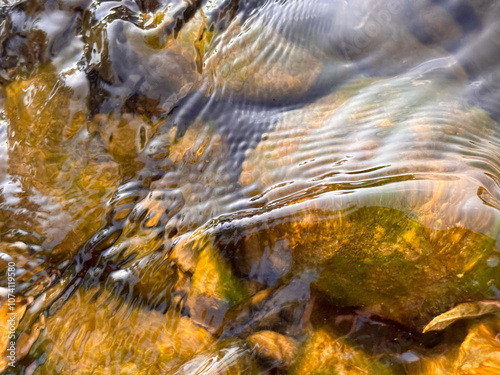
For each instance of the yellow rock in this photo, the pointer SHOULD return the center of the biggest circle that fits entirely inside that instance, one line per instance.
(323, 353)
(96, 331)
(64, 175)
(213, 277)
(479, 354)
(214, 288)
(124, 137)
(274, 347)
(182, 200)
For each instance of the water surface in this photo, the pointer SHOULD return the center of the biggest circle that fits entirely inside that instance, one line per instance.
(251, 187)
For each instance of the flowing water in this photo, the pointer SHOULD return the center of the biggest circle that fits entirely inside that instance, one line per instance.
(250, 187)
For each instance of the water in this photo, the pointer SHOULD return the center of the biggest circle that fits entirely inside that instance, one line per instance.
(254, 187)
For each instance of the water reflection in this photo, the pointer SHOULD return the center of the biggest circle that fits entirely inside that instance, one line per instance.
(250, 186)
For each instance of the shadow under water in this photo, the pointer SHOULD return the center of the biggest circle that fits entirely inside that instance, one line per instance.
(250, 187)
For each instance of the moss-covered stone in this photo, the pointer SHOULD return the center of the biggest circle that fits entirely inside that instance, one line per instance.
(375, 258)
(214, 288)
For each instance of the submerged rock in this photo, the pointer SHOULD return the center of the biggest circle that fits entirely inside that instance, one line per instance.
(98, 331)
(373, 258)
(274, 347)
(225, 358)
(324, 353)
(395, 236)
(61, 186)
(479, 353)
